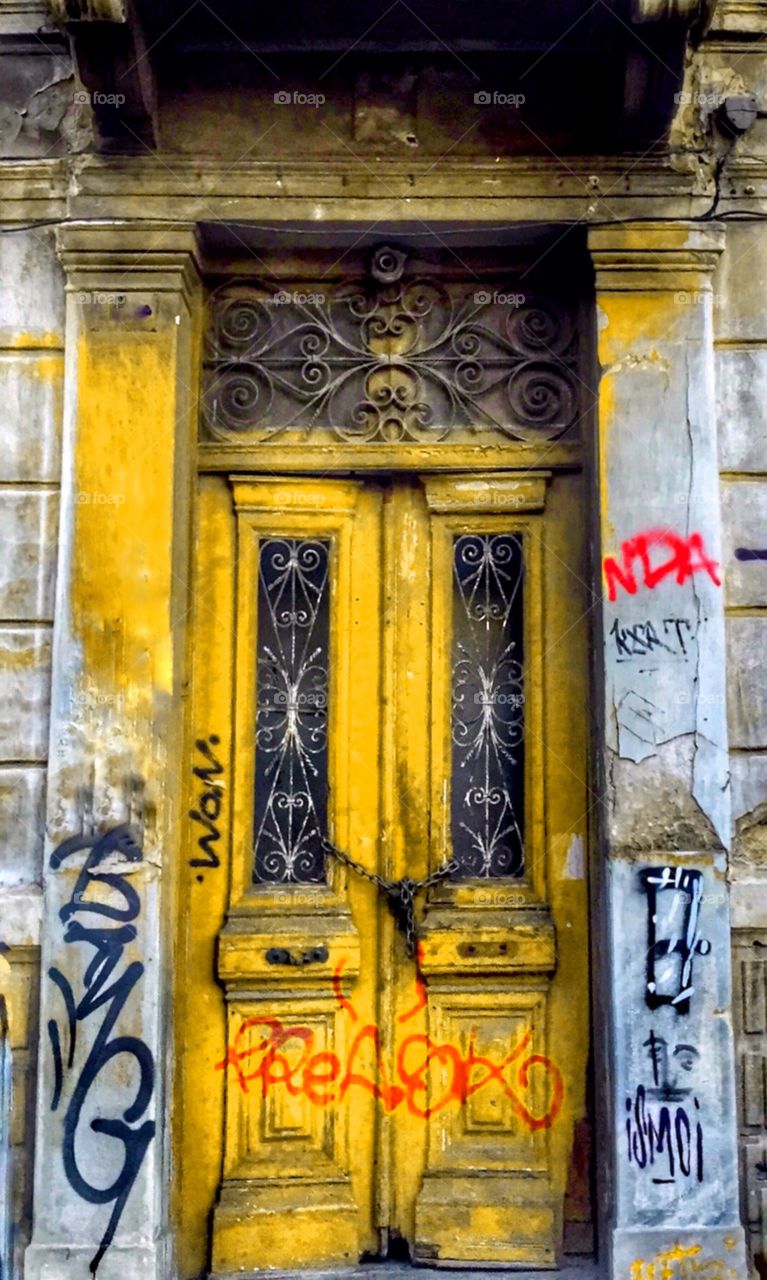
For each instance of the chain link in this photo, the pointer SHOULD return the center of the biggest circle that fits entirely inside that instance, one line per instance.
(400, 894)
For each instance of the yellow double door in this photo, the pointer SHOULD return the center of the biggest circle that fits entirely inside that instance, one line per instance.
(395, 666)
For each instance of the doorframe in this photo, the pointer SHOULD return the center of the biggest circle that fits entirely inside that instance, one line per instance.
(151, 356)
(215, 460)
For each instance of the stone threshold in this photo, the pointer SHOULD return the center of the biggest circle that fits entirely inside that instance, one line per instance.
(575, 1269)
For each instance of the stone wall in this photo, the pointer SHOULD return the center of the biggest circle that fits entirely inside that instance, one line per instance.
(741, 356)
(31, 384)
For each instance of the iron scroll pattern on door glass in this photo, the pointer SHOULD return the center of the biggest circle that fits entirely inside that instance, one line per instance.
(390, 358)
(487, 804)
(291, 773)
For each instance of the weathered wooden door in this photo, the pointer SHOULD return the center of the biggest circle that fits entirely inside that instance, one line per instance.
(400, 669)
(388, 682)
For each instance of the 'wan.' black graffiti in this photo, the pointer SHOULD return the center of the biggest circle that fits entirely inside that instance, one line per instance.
(209, 810)
(100, 914)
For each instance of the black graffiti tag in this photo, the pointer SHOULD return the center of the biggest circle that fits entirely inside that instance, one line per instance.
(663, 1138)
(641, 640)
(673, 913)
(209, 804)
(107, 928)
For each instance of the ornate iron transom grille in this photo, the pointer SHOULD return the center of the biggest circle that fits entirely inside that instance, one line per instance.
(488, 705)
(291, 782)
(390, 358)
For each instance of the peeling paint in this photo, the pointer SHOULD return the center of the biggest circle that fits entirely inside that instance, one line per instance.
(574, 868)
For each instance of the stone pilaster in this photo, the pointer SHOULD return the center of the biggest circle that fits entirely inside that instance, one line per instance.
(672, 1174)
(102, 1160)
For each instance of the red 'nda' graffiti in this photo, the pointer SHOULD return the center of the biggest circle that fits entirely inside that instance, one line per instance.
(686, 556)
(325, 1078)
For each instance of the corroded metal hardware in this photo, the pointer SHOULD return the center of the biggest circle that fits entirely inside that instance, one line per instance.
(483, 949)
(281, 955)
(400, 894)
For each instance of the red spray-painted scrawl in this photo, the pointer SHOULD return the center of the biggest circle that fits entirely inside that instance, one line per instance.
(285, 1056)
(657, 554)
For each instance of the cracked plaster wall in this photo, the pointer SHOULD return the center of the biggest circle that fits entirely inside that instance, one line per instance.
(665, 754)
(667, 766)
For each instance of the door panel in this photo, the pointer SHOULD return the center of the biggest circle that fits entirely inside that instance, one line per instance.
(493, 1089)
(295, 1187)
(415, 687)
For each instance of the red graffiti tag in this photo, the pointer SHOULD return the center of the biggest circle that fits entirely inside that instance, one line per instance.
(324, 1078)
(686, 556)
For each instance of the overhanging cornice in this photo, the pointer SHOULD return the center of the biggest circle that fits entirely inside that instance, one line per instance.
(589, 190)
(131, 52)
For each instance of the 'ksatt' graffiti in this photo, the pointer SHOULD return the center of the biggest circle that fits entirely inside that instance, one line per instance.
(100, 914)
(671, 638)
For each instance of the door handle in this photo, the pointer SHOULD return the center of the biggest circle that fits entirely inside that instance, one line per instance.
(281, 955)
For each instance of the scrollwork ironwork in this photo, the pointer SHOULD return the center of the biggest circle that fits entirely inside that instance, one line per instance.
(397, 358)
(488, 705)
(292, 710)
